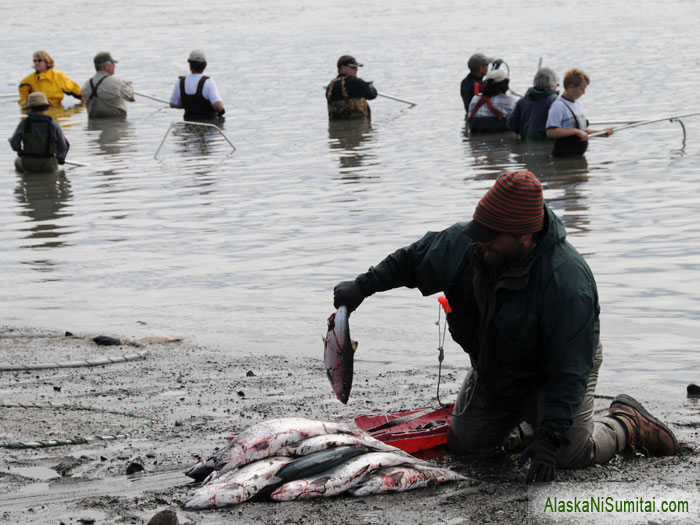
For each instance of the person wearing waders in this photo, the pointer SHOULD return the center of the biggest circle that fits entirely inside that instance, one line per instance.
(524, 306)
(197, 93)
(489, 110)
(478, 67)
(347, 94)
(104, 94)
(38, 139)
(54, 84)
(529, 118)
(566, 123)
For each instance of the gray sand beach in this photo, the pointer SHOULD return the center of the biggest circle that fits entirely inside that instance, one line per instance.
(179, 401)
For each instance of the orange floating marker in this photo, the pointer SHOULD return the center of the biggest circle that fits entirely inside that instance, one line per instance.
(445, 305)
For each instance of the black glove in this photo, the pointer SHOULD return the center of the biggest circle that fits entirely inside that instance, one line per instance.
(348, 293)
(221, 113)
(61, 161)
(543, 455)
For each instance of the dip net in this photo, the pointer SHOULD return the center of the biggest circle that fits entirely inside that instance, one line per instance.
(190, 139)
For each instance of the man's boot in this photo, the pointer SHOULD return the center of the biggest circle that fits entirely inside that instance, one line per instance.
(645, 433)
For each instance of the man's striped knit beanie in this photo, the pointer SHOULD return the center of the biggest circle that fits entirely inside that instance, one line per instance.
(514, 204)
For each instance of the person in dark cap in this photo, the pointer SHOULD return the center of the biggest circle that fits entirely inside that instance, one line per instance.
(478, 67)
(347, 95)
(524, 306)
(104, 94)
(197, 93)
(38, 139)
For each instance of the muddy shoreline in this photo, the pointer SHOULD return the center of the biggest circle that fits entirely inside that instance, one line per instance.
(182, 400)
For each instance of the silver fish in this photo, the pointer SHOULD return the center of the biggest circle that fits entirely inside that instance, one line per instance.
(314, 444)
(399, 479)
(236, 486)
(269, 437)
(339, 479)
(313, 464)
(339, 354)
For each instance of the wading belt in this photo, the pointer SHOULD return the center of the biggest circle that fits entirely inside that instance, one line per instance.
(94, 88)
(485, 100)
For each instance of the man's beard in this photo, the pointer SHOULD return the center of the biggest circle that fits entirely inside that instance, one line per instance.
(499, 260)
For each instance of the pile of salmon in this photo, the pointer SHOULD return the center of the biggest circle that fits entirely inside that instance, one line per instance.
(296, 458)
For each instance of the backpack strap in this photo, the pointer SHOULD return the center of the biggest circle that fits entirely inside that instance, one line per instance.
(485, 100)
(343, 89)
(573, 115)
(94, 87)
(200, 86)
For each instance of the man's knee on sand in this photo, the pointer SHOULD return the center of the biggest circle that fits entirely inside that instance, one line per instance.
(465, 438)
(460, 445)
(472, 438)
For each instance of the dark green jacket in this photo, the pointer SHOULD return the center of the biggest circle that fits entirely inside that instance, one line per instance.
(534, 326)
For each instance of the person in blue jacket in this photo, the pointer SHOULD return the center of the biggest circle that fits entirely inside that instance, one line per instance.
(529, 118)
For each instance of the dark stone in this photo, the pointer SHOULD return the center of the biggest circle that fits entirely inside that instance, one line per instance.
(250, 373)
(241, 393)
(133, 468)
(164, 517)
(693, 390)
(65, 466)
(103, 340)
(69, 334)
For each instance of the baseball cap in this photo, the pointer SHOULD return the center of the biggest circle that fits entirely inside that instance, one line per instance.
(197, 55)
(102, 57)
(348, 60)
(478, 60)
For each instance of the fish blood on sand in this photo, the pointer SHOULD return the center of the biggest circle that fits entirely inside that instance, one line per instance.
(402, 478)
(339, 353)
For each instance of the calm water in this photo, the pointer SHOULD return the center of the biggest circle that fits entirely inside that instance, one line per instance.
(243, 250)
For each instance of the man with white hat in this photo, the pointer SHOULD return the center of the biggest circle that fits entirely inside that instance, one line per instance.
(38, 139)
(104, 94)
(489, 110)
(197, 93)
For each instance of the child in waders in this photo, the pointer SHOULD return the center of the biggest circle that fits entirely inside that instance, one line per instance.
(38, 139)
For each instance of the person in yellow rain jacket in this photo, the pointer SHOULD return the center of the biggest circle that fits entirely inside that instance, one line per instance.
(54, 84)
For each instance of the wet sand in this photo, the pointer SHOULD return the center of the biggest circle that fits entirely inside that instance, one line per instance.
(182, 400)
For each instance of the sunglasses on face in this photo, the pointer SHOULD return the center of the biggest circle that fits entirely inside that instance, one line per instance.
(352, 67)
(38, 60)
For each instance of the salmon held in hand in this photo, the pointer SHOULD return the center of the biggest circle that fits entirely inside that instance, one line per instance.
(339, 353)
